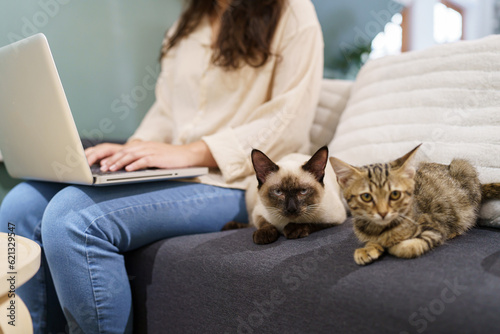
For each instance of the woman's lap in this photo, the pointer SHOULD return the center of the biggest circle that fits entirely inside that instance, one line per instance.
(131, 216)
(135, 214)
(84, 230)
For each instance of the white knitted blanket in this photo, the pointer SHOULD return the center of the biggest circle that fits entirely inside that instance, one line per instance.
(446, 97)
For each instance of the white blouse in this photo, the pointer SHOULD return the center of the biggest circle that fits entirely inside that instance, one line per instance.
(270, 108)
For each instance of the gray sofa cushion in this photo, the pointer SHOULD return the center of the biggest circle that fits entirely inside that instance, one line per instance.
(224, 283)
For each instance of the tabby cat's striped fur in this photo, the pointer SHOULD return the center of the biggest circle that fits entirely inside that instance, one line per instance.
(406, 211)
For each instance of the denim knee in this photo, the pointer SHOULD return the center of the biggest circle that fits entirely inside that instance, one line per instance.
(63, 222)
(13, 207)
(23, 207)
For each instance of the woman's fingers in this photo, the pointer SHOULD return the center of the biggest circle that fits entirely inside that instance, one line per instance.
(141, 163)
(101, 151)
(121, 159)
(126, 156)
(147, 154)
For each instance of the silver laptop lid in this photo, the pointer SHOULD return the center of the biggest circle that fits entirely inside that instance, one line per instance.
(38, 137)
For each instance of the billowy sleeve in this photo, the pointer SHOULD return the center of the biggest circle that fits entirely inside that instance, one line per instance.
(281, 125)
(157, 125)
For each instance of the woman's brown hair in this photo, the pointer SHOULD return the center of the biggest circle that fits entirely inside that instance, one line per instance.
(246, 30)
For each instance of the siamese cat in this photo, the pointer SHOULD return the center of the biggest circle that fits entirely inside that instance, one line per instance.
(296, 196)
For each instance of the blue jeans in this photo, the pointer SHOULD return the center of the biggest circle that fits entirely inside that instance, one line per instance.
(84, 232)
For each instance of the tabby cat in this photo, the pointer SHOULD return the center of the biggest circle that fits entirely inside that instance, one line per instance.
(293, 196)
(409, 211)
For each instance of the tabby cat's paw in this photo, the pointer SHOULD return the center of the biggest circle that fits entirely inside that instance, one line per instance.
(409, 249)
(367, 255)
(295, 231)
(265, 235)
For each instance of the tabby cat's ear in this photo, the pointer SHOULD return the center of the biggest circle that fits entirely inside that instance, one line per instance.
(316, 165)
(263, 166)
(404, 164)
(345, 172)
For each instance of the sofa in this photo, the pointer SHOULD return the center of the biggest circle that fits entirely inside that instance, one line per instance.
(445, 97)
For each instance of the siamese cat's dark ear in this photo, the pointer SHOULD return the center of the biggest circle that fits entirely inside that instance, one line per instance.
(345, 172)
(263, 166)
(316, 165)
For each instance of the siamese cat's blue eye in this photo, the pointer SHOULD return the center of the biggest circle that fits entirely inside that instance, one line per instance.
(304, 191)
(277, 192)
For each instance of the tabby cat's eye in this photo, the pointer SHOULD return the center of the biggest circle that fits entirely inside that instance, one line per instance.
(395, 195)
(366, 197)
(277, 192)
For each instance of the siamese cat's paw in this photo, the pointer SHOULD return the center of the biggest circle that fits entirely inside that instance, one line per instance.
(295, 231)
(266, 234)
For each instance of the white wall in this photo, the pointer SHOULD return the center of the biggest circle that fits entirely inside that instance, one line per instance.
(421, 24)
(479, 21)
(480, 18)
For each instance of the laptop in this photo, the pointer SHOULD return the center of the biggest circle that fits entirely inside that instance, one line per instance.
(38, 136)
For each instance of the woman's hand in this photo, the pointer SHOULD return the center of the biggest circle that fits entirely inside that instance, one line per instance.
(101, 151)
(140, 155)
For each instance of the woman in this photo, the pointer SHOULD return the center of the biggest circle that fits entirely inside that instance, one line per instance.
(235, 75)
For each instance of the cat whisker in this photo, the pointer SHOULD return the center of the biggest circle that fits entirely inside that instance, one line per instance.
(314, 207)
(409, 218)
(275, 212)
(271, 208)
(309, 214)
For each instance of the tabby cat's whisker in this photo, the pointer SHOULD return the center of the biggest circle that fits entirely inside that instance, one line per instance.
(409, 218)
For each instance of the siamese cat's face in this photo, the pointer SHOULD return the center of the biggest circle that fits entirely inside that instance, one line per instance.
(290, 190)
